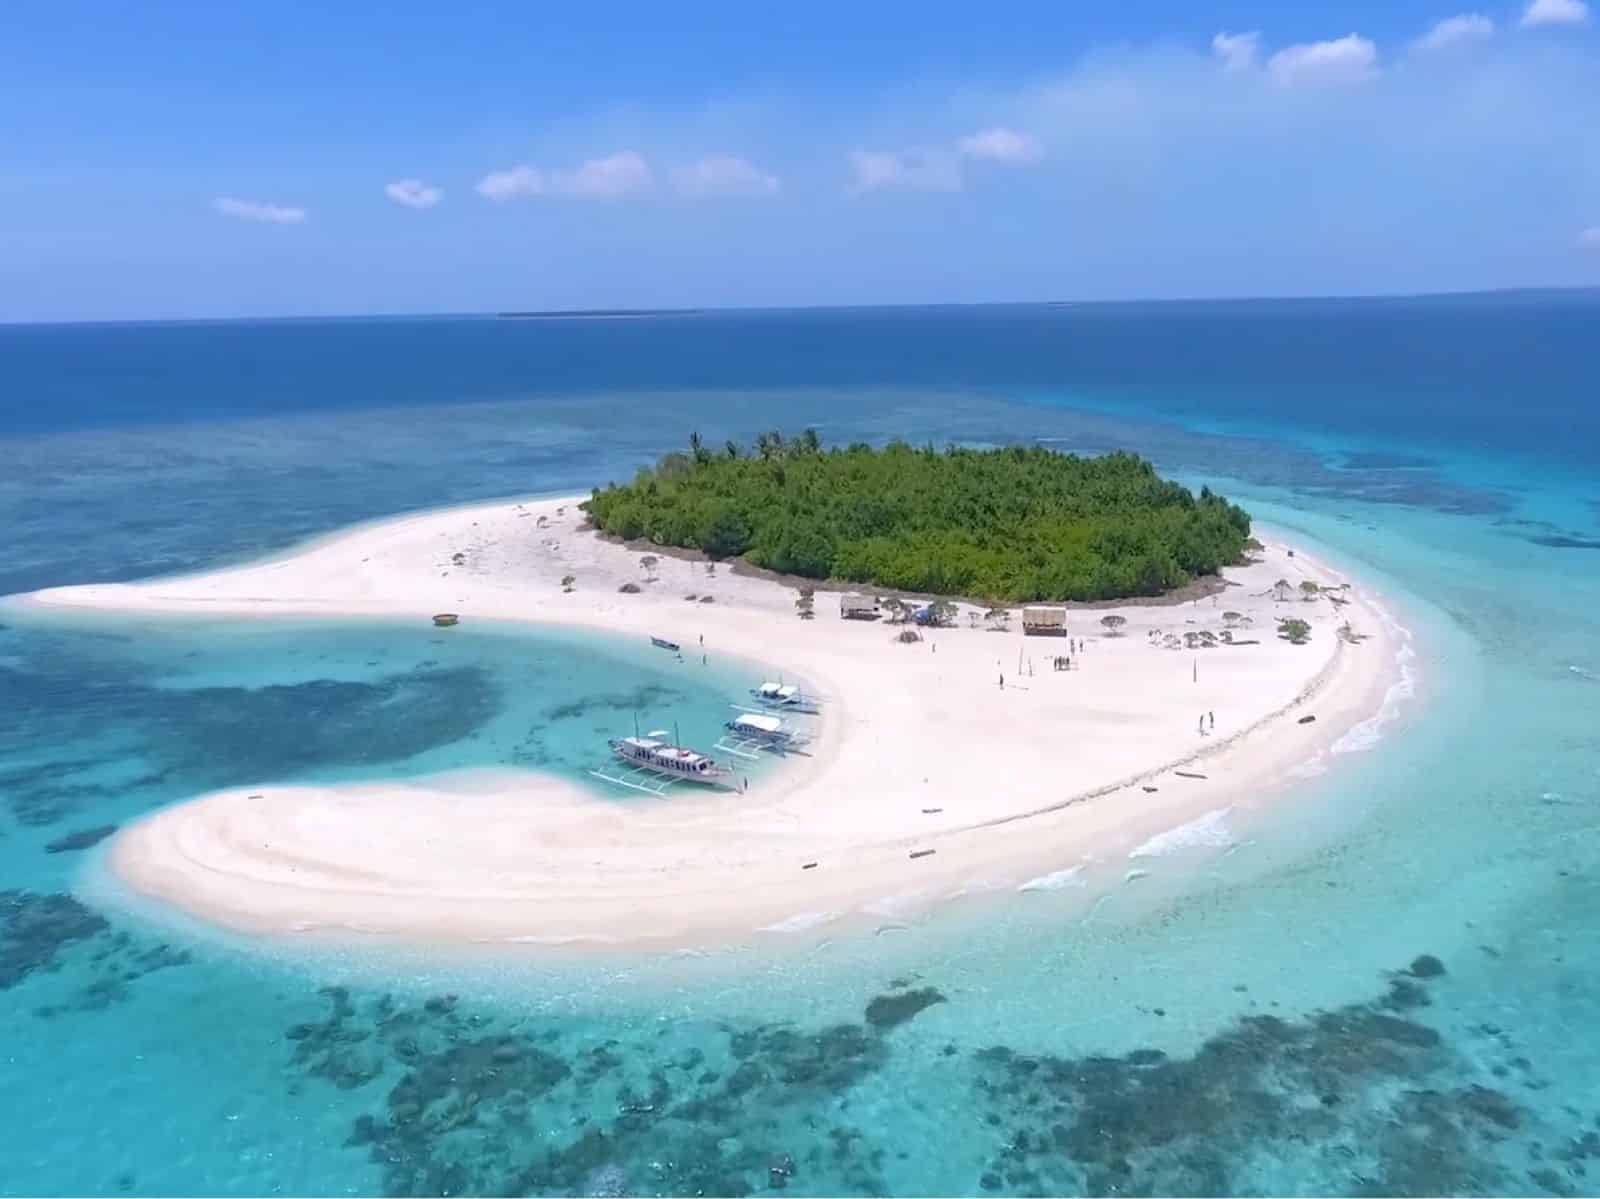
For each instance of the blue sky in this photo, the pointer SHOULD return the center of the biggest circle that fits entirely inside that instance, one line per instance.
(198, 159)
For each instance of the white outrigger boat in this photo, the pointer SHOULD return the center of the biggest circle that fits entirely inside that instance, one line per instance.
(786, 697)
(654, 763)
(754, 732)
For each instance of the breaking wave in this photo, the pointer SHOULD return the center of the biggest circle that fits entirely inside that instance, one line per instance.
(1204, 832)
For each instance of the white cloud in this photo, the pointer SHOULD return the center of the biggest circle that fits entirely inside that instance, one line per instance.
(1236, 50)
(606, 178)
(919, 170)
(413, 193)
(1589, 239)
(1555, 12)
(1453, 31)
(252, 210)
(1001, 145)
(508, 185)
(724, 175)
(1349, 59)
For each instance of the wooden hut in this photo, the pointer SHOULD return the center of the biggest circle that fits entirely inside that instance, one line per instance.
(1044, 620)
(858, 607)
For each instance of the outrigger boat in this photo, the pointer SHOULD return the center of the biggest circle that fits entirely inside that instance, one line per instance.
(785, 696)
(663, 643)
(748, 735)
(654, 763)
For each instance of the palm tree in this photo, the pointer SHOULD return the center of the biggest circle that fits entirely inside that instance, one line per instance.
(1114, 624)
(731, 449)
(1281, 590)
(810, 442)
(806, 606)
(567, 581)
(697, 449)
(1309, 591)
(648, 564)
(1232, 618)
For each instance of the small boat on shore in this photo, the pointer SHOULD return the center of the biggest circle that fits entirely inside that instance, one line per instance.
(655, 753)
(654, 763)
(748, 735)
(785, 696)
(663, 643)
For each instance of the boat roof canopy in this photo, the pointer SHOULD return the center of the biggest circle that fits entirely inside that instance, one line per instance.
(767, 724)
(662, 749)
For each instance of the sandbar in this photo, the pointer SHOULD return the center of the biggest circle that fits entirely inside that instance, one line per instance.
(919, 748)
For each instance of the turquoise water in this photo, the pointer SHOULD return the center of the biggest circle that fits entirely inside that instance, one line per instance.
(1387, 984)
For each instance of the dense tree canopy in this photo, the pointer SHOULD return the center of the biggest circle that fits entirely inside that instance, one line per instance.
(1021, 523)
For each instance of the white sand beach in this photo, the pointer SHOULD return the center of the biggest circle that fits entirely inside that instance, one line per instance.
(919, 749)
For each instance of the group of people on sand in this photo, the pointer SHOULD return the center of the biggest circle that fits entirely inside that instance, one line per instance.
(1057, 661)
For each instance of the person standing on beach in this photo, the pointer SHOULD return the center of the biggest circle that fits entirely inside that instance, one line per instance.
(1213, 718)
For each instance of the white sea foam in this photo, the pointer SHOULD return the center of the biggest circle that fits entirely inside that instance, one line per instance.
(1367, 733)
(1204, 832)
(799, 922)
(978, 886)
(1310, 768)
(1584, 674)
(1056, 880)
(894, 906)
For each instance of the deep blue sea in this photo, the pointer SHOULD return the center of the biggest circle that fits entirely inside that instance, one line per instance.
(1389, 984)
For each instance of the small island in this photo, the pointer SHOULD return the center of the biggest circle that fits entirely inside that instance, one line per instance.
(962, 755)
(1008, 525)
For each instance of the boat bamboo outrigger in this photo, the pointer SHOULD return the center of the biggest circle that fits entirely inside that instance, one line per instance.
(653, 763)
(785, 696)
(749, 735)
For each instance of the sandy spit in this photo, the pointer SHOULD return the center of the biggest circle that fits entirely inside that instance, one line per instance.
(919, 748)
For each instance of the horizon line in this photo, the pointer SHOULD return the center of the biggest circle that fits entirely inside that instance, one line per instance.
(624, 313)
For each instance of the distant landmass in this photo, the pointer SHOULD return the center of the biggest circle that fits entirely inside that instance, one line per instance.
(594, 314)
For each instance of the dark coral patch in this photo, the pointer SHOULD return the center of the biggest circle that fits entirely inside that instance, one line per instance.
(482, 1103)
(891, 1010)
(1362, 1085)
(82, 839)
(34, 928)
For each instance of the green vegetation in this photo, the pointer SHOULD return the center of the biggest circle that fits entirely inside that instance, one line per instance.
(1296, 632)
(1008, 525)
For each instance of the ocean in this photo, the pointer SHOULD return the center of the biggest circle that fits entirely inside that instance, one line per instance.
(1386, 983)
